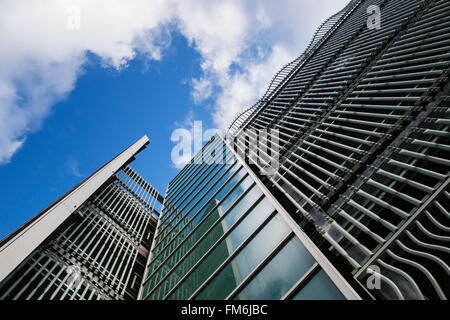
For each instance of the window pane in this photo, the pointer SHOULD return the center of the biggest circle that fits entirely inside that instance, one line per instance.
(186, 180)
(280, 274)
(203, 246)
(192, 223)
(195, 235)
(187, 206)
(320, 287)
(238, 268)
(222, 251)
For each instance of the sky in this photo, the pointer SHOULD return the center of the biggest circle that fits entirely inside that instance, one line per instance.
(82, 80)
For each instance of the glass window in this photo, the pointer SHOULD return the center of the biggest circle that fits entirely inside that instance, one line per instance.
(195, 182)
(240, 208)
(214, 185)
(203, 183)
(250, 256)
(193, 236)
(187, 217)
(223, 251)
(189, 171)
(320, 287)
(280, 274)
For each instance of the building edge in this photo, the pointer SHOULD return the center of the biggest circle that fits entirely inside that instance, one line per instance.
(15, 247)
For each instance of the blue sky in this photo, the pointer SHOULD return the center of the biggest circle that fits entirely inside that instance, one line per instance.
(72, 98)
(107, 112)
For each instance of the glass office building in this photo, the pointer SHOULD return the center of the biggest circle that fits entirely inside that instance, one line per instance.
(220, 236)
(356, 205)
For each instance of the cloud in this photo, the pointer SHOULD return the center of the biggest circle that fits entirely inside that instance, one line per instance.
(187, 123)
(264, 36)
(241, 43)
(73, 167)
(242, 89)
(201, 89)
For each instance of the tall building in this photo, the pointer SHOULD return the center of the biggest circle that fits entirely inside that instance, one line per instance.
(335, 185)
(92, 243)
(222, 235)
(363, 124)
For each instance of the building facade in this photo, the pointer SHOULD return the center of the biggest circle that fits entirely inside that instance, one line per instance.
(92, 243)
(335, 185)
(221, 235)
(362, 119)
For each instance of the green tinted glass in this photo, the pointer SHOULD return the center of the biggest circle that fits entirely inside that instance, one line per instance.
(320, 287)
(280, 274)
(247, 259)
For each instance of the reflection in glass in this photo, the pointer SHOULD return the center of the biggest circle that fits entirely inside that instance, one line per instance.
(191, 223)
(198, 200)
(280, 274)
(250, 256)
(193, 237)
(320, 287)
(226, 247)
(213, 235)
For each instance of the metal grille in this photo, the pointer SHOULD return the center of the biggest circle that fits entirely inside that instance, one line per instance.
(286, 72)
(364, 141)
(99, 252)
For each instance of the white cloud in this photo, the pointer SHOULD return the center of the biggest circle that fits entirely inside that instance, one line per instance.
(201, 89)
(242, 44)
(278, 32)
(188, 122)
(73, 167)
(242, 89)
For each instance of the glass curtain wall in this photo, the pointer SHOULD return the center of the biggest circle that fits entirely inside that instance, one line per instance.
(220, 237)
